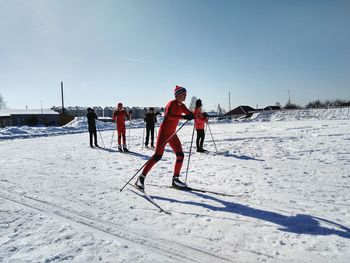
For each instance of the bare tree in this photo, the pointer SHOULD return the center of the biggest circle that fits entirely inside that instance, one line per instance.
(2, 102)
(193, 103)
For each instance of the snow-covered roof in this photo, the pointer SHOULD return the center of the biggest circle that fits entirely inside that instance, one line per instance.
(9, 112)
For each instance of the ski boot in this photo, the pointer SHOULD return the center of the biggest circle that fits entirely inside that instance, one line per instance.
(125, 149)
(140, 182)
(177, 183)
(120, 148)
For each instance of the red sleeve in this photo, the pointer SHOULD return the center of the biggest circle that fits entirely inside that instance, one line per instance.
(114, 115)
(169, 112)
(199, 115)
(185, 109)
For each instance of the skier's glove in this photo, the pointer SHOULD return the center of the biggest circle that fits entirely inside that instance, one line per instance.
(206, 115)
(188, 116)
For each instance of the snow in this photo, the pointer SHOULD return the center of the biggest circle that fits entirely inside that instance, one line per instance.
(303, 114)
(60, 199)
(78, 125)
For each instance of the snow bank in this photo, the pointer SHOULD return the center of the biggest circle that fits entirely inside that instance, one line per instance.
(303, 114)
(78, 125)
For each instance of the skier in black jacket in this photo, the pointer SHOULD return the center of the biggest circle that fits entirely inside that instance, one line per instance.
(151, 120)
(91, 116)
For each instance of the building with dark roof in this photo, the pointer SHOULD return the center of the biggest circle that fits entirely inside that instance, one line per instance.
(240, 111)
(33, 117)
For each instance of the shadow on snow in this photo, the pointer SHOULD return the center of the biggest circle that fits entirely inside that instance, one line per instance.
(299, 224)
(143, 156)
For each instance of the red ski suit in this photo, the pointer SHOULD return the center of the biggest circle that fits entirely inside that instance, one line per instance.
(119, 117)
(199, 119)
(172, 115)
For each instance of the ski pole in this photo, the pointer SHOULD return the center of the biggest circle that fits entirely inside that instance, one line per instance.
(143, 135)
(112, 139)
(189, 155)
(171, 136)
(100, 135)
(216, 149)
(129, 134)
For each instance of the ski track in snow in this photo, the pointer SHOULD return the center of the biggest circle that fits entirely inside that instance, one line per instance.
(59, 199)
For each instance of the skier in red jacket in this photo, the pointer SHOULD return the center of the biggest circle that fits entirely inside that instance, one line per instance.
(200, 118)
(119, 116)
(172, 115)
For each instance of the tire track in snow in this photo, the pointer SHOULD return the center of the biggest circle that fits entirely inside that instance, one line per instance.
(169, 249)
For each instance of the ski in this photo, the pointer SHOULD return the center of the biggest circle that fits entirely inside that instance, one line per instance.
(143, 194)
(193, 189)
(218, 153)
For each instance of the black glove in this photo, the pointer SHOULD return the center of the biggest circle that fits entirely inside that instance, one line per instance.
(188, 116)
(206, 115)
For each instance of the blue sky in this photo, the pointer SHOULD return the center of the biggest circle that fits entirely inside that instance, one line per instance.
(136, 51)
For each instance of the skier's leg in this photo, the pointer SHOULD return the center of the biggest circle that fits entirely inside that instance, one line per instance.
(95, 137)
(202, 139)
(197, 140)
(175, 144)
(90, 134)
(119, 140)
(124, 136)
(158, 153)
(147, 135)
(177, 148)
(152, 136)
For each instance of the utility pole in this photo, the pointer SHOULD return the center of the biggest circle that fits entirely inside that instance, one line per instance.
(288, 96)
(62, 97)
(229, 101)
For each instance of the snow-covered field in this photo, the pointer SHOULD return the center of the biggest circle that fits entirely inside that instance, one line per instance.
(59, 199)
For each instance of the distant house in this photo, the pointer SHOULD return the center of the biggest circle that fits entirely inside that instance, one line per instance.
(272, 108)
(240, 111)
(104, 113)
(108, 111)
(34, 117)
(137, 112)
(76, 111)
(98, 110)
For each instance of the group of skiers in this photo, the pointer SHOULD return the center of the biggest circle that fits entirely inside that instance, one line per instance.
(174, 111)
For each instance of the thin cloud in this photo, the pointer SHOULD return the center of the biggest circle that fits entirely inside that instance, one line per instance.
(143, 61)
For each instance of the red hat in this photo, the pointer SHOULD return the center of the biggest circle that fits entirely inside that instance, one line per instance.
(178, 90)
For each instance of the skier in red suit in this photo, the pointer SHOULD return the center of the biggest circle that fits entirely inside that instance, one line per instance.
(173, 113)
(119, 116)
(199, 123)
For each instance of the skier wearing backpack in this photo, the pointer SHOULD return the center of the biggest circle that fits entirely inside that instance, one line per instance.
(119, 116)
(200, 118)
(173, 113)
(91, 116)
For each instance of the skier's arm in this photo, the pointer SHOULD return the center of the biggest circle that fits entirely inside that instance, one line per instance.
(129, 115)
(169, 115)
(188, 114)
